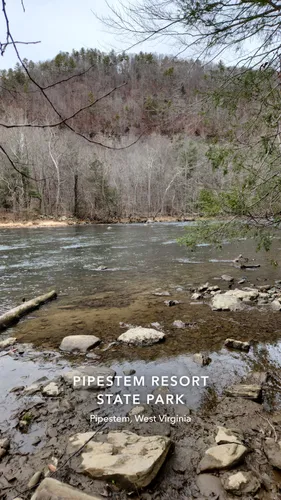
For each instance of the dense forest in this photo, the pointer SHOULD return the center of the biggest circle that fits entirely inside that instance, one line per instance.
(155, 103)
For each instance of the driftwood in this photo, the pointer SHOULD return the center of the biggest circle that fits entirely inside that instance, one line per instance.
(14, 315)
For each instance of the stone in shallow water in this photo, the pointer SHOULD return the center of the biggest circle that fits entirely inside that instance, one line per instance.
(237, 344)
(179, 324)
(141, 336)
(225, 436)
(222, 302)
(132, 461)
(223, 456)
(227, 277)
(252, 392)
(273, 452)
(79, 343)
(51, 489)
(242, 483)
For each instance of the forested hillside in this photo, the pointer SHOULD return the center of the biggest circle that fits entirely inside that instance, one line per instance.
(158, 103)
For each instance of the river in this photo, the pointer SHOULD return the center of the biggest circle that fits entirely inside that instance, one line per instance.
(139, 259)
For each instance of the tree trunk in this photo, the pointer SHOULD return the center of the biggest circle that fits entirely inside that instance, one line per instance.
(13, 316)
(76, 208)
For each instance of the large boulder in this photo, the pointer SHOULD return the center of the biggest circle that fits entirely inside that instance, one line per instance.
(141, 336)
(132, 461)
(51, 489)
(89, 377)
(223, 456)
(80, 343)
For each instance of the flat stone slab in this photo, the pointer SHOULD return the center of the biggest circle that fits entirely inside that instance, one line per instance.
(51, 489)
(141, 336)
(80, 343)
(132, 461)
(89, 377)
(223, 456)
(252, 392)
(237, 344)
(225, 436)
(242, 483)
(273, 452)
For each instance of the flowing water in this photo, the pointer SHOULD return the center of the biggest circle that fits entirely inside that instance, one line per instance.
(107, 275)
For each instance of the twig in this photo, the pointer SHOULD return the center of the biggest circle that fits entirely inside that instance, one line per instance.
(270, 424)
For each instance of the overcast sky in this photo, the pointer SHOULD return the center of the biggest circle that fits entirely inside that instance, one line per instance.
(63, 25)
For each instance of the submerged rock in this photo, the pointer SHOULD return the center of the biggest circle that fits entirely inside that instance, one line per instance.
(141, 336)
(179, 324)
(129, 372)
(242, 483)
(171, 303)
(79, 343)
(252, 392)
(223, 456)
(237, 344)
(53, 489)
(132, 461)
(227, 277)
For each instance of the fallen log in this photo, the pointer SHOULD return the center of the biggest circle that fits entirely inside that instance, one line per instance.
(14, 315)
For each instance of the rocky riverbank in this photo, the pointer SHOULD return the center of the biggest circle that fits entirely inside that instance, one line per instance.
(35, 222)
(55, 435)
(230, 447)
